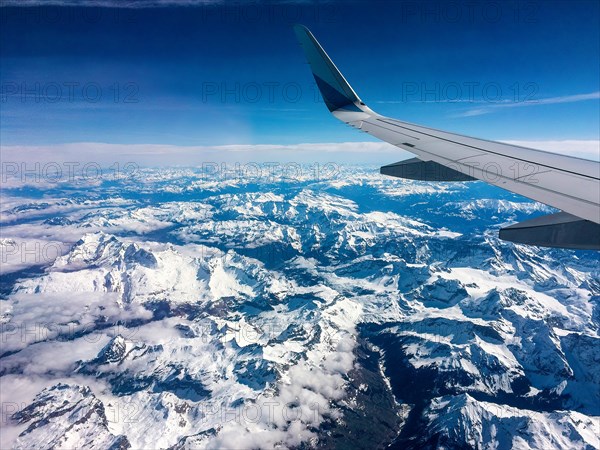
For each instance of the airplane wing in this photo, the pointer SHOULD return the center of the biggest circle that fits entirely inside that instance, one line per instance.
(569, 184)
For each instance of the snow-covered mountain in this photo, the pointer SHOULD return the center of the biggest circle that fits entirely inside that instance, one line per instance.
(356, 311)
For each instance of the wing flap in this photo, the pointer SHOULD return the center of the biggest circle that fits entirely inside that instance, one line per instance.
(415, 169)
(555, 230)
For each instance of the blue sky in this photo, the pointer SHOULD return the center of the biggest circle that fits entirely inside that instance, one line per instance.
(210, 74)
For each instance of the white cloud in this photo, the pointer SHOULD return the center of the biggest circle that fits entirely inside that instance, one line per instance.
(17, 160)
(171, 155)
(544, 101)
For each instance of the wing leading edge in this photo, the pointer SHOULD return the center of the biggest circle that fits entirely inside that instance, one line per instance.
(569, 184)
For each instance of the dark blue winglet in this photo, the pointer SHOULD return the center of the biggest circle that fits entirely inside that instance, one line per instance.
(334, 88)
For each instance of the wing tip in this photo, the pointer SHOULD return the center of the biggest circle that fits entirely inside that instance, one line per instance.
(335, 90)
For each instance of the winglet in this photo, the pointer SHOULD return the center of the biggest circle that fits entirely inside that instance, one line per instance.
(336, 91)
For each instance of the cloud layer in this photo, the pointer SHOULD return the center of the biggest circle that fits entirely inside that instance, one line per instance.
(152, 155)
(544, 101)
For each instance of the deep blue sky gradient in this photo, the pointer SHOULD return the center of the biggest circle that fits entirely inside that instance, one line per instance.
(403, 58)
